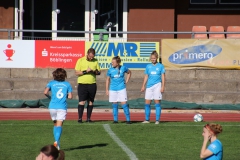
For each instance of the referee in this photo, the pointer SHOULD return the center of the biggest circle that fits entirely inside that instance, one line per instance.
(86, 69)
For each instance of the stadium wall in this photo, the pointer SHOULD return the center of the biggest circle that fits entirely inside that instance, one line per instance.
(202, 86)
(153, 15)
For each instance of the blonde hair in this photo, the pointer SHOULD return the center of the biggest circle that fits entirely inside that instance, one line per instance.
(154, 53)
(117, 58)
(215, 128)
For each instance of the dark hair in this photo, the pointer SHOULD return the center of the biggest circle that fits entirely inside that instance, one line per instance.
(215, 128)
(117, 58)
(51, 150)
(59, 74)
(91, 50)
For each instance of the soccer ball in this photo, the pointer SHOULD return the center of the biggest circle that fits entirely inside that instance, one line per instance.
(198, 118)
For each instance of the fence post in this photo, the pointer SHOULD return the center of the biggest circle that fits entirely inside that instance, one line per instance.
(9, 34)
(101, 36)
(193, 35)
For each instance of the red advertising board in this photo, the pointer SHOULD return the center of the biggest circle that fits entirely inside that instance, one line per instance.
(56, 54)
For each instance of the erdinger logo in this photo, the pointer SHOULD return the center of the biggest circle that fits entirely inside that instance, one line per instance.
(195, 54)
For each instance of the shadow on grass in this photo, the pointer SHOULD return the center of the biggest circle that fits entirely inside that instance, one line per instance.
(86, 146)
(140, 122)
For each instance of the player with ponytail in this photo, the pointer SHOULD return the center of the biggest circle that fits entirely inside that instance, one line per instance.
(116, 88)
(50, 152)
(215, 149)
(154, 80)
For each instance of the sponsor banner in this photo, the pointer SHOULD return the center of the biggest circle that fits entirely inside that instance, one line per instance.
(53, 54)
(134, 55)
(193, 53)
(17, 54)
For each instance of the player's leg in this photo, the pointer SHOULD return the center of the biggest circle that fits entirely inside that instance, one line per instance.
(92, 89)
(122, 97)
(113, 99)
(89, 111)
(147, 111)
(125, 107)
(158, 111)
(115, 112)
(61, 116)
(148, 99)
(157, 99)
(58, 133)
(53, 114)
(82, 95)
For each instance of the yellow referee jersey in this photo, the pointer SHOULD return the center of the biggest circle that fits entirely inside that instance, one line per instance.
(82, 65)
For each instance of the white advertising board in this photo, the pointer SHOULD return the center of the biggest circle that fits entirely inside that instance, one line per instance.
(17, 54)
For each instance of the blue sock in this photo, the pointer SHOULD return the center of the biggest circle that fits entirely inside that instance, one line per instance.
(147, 112)
(158, 111)
(54, 132)
(58, 134)
(115, 111)
(126, 111)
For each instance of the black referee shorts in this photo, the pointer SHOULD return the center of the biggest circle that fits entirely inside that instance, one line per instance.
(87, 92)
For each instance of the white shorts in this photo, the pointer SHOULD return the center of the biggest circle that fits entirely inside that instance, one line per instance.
(154, 92)
(118, 96)
(58, 114)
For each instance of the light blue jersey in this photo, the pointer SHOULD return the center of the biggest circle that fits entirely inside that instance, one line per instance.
(59, 95)
(117, 80)
(154, 73)
(216, 148)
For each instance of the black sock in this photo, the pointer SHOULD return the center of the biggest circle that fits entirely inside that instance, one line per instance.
(89, 111)
(80, 111)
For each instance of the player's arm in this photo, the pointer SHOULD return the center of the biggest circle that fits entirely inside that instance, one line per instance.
(107, 85)
(144, 82)
(80, 73)
(96, 72)
(46, 93)
(205, 153)
(70, 96)
(163, 83)
(129, 73)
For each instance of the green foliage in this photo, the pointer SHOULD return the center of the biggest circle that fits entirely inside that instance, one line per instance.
(169, 140)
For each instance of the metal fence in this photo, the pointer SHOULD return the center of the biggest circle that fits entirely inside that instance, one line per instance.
(11, 35)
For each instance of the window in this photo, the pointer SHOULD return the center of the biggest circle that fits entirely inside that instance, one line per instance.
(71, 17)
(110, 12)
(203, 1)
(215, 4)
(229, 1)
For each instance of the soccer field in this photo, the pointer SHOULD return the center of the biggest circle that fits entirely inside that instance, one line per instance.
(22, 140)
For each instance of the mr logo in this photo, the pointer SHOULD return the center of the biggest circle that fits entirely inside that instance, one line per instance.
(115, 49)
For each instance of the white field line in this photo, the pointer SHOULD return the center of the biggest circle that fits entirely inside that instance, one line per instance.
(130, 154)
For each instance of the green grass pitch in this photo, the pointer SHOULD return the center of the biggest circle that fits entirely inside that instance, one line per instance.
(22, 140)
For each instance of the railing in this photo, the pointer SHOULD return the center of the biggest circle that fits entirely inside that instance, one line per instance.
(101, 33)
